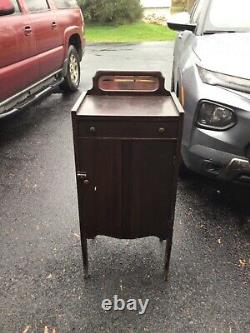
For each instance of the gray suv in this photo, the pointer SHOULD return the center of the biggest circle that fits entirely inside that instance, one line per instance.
(211, 77)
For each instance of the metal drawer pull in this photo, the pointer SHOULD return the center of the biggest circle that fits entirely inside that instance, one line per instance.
(92, 130)
(162, 130)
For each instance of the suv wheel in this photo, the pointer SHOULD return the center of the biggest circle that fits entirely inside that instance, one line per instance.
(72, 79)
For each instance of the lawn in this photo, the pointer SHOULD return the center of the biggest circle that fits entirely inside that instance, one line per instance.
(130, 33)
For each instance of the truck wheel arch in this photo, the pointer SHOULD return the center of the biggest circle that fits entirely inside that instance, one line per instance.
(72, 37)
(75, 40)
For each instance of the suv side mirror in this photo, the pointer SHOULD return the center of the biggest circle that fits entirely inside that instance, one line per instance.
(181, 22)
(6, 7)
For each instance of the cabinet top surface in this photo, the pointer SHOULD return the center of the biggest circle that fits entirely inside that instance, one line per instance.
(128, 106)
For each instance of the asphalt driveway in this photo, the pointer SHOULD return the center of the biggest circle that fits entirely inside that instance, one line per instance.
(41, 281)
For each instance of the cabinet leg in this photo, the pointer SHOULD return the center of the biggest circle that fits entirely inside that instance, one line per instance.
(85, 258)
(167, 257)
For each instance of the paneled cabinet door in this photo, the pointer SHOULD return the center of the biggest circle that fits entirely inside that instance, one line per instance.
(99, 192)
(125, 190)
(147, 188)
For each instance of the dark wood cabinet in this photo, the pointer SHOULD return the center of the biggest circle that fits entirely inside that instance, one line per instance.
(127, 147)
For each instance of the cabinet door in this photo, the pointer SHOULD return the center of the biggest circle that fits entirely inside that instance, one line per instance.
(148, 188)
(100, 199)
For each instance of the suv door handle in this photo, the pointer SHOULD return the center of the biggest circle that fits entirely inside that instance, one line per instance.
(53, 25)
(27, 30)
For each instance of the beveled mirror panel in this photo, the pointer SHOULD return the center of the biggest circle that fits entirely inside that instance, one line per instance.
(129, 83)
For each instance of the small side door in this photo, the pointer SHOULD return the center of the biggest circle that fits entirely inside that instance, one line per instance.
(99, 186)
(18, 68)
(47, 35)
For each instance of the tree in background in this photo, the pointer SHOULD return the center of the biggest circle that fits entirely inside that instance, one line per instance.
(111, 11)
(182, 5)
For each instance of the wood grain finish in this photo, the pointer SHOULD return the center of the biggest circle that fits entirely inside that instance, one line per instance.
(132, 106)
(95, 128)
(101, 198)
(127, 150)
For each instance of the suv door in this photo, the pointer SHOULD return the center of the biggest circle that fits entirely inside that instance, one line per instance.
(47, 35)
(18, 69)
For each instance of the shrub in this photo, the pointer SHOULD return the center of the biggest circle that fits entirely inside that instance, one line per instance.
(111, 11)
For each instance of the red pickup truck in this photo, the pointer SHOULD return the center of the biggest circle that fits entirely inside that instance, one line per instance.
(41, 46)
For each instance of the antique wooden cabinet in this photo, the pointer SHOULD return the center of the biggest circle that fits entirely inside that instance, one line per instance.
(127, 134)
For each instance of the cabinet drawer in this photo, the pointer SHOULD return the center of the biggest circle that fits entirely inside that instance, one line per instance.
(131, 129)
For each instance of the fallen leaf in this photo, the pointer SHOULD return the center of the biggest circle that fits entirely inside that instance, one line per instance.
(243, 263)
(26, 329)
(76, 235)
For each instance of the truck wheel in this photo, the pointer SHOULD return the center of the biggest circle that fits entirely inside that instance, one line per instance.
(72, 79)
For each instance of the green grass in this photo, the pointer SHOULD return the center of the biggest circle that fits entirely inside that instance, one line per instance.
(129, 33)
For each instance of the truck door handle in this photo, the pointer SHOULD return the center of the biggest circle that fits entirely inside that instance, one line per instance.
(53, 25)
(27, 30)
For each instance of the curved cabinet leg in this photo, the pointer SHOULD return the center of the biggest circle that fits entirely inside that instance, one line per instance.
(85, 257)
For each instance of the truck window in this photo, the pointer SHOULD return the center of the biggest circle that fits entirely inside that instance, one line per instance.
(37, 5)
(62, 4)
(16, 6)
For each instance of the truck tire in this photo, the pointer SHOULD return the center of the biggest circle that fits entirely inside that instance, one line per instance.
(72, 79)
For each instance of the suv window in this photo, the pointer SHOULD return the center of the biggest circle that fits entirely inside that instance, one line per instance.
(61, 4)
(37, 5)
(197, 9)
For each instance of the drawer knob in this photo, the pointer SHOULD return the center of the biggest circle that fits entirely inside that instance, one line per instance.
(86, 182)
(162, 130)
(92, 130)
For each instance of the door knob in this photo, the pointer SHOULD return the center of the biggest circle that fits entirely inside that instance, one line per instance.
(162, 130)
(92, 130)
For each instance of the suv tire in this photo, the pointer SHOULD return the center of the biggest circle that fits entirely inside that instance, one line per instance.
(72, 79)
